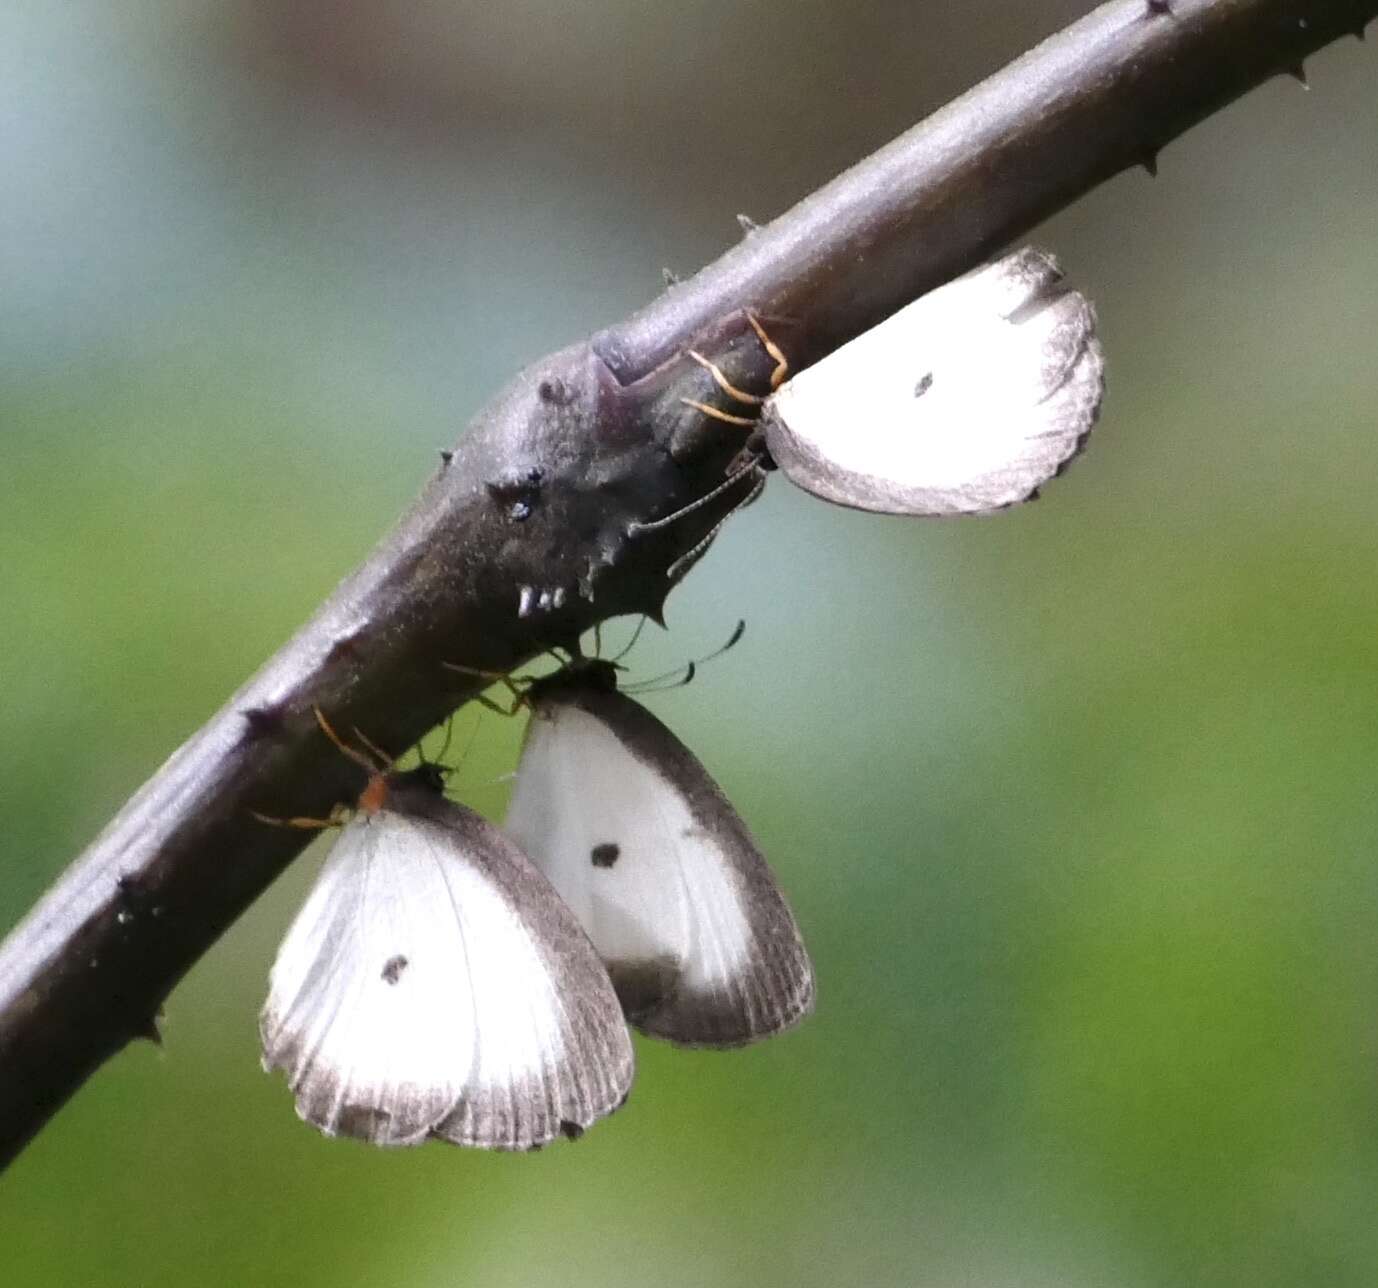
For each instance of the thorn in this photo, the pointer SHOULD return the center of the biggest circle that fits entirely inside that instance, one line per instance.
(262, 722)
(148, 1030)
(558, 598)
(343, 649)
(1361, 31)
(1298, 74)
(747, 223)
(1149, 162)
(446, 456)
(526, 601)
(670, 276)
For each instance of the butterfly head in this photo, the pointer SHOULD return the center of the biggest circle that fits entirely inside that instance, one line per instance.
(427, 775)
(583, 673)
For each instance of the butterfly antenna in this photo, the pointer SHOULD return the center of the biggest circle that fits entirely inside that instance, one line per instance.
(677, 678)
(732, 640)
(690, 557)
(656, 683)
(635, 528)
(631, 643)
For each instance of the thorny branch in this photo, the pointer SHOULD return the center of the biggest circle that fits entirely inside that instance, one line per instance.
(525, 536)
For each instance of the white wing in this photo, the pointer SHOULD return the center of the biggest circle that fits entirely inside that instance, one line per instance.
(433, 985)
(641, 844)
(964, 402)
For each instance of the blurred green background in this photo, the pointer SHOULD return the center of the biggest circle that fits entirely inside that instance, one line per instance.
(1076, 805)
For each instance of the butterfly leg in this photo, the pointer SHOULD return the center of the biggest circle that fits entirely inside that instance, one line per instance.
(777, 377)
(516, 688)
(383, 757)
(735, 392)
(354, 754)
(752, 460)
(746, 422)
(518, 701)
(338, 817)
(723, 383)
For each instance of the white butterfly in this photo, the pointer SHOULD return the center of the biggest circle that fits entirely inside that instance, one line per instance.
(643, 846)
(433, 985)
(964, 402)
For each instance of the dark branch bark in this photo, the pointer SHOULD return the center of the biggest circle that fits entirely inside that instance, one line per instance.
(522, 539)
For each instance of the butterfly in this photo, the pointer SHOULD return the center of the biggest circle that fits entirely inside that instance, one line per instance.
(434, 985)
(964, 402)
(663, 875)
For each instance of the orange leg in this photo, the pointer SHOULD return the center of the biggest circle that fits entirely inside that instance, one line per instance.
(723, 382)
(746, 422)
(338, 818)
(353, 753)
(777, 377)
(383, 758)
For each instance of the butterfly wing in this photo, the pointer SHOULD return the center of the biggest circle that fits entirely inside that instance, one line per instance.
(434, 985)
(641, 844)
(964, 402)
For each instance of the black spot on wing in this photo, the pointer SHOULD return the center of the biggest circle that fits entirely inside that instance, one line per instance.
(924, 385)
(393, 968)
(605, 855)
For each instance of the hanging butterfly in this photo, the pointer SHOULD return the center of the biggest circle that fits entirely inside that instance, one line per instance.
(433, 985)
(663, 875)
(964, 402)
